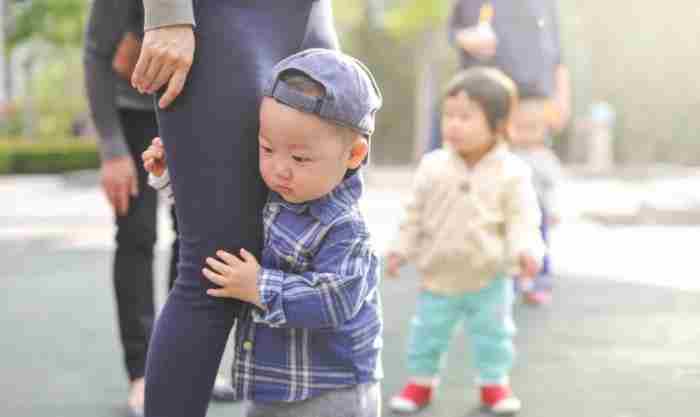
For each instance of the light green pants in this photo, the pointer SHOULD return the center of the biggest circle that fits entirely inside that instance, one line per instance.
(488, 318)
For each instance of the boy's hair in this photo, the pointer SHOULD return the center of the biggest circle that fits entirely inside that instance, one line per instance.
(302, 83)
(495, 92)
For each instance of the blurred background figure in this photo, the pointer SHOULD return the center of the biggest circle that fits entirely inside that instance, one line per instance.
(126, 122)
(529, 141)
(520, 38)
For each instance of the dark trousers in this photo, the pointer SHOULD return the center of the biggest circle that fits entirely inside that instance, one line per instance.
(210, 136)
(133, 259)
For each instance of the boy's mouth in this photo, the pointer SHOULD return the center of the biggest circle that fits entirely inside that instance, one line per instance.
(282, 189)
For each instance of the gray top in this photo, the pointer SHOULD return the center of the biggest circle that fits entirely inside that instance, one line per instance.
(107, 92)
(161, 13)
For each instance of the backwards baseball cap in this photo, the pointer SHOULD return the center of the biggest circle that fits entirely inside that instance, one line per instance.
(351, 96)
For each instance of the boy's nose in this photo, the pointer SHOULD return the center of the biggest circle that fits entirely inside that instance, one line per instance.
(284, 171)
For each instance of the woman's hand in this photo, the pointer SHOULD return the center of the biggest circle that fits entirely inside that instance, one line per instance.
(166, 58)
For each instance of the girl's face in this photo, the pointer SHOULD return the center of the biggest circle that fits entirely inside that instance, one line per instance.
(465, 127)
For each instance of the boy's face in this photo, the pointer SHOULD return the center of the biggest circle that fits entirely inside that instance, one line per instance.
(302, 157)
(464, 125)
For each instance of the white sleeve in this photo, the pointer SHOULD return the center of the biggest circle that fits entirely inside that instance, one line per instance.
(162, 183)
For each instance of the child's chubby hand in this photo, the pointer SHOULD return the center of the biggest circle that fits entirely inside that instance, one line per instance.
(154, 158)
(237, 276)
(529, 267)
(394, 262)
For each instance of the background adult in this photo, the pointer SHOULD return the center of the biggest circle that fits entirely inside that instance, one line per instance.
(522, 39)
(126, 123)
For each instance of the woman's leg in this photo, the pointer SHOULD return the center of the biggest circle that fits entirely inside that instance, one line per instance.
(174, 251)
(210, 136)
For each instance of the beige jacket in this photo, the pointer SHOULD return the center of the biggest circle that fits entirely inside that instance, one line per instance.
(463, 227)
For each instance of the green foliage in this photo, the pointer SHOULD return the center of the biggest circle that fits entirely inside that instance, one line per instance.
(413, 17)
(59, 94)
(24, 157)
(59, 22)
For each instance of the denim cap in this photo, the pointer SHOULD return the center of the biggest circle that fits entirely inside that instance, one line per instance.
(351, 94)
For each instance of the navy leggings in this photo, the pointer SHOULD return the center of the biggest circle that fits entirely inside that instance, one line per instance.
(210, 136)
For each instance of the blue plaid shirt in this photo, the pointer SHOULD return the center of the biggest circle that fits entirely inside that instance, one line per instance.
(321, 329)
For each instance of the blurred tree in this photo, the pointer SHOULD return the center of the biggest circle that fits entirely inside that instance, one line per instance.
(46, 33)
(423, 22)
(58, 22)
(413, 17)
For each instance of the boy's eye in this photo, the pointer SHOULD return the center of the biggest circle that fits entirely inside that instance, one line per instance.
(266, 149)
(301, 159)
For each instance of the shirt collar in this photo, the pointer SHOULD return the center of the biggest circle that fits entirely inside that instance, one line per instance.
(331, 205)
(494, 154)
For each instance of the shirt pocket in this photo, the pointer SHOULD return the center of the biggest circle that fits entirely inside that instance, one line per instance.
(290, 255)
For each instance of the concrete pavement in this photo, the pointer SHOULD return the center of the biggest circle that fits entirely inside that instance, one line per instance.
(620, 340)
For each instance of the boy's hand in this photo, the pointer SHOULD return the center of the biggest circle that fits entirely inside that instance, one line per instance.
(237, 277)
(394, 261)
(154, 158)
(528, 267)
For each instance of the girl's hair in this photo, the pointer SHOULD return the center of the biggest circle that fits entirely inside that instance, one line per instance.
(495, 92)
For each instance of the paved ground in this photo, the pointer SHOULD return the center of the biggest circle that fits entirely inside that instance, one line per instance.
(622, 338)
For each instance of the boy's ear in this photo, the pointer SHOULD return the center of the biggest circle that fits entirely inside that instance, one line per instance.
(358, 152)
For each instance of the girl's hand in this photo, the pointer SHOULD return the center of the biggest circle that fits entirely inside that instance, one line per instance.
(528, 267)
(237, 276)
(394, 261)
(154, 158)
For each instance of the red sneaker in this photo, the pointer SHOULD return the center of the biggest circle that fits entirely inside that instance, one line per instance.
(499, 400)
(412, 398)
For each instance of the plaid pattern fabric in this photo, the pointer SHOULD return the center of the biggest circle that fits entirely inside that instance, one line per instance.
(321, 329)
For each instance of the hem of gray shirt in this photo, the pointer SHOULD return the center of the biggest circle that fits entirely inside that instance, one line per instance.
(162, 13)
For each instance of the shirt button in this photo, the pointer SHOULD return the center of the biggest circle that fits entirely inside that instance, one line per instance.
(247, 345)
(290, 259)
